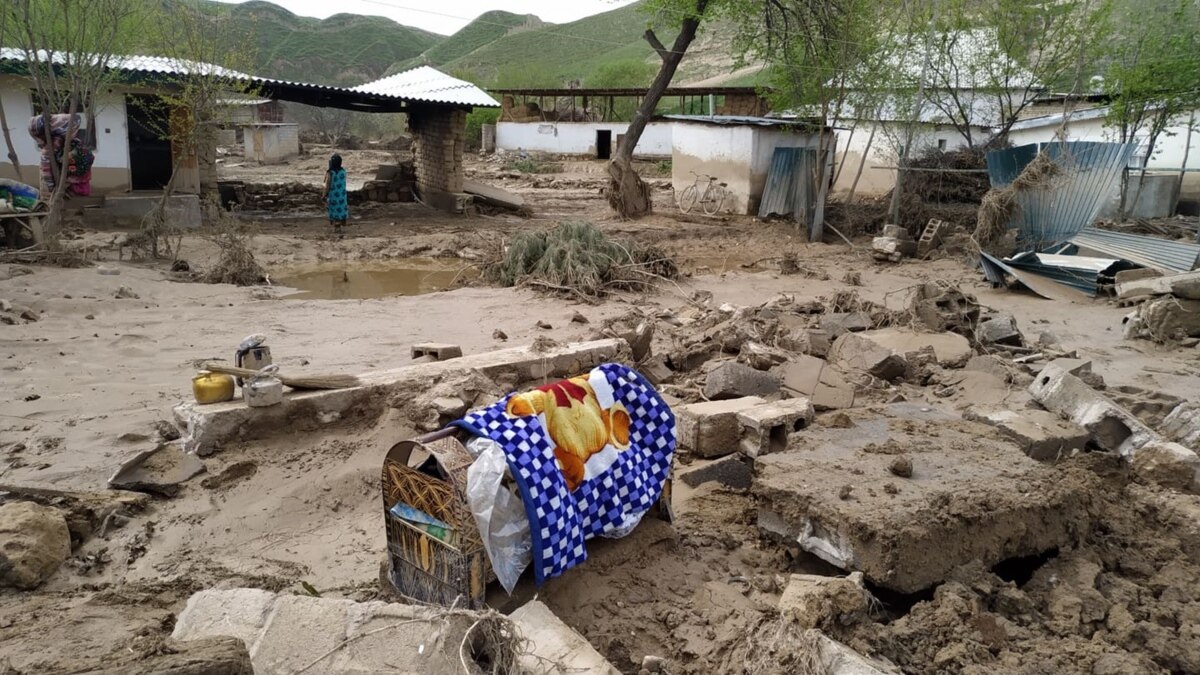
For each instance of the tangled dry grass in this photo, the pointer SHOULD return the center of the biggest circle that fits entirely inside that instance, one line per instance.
(577, 259)
(999, 206)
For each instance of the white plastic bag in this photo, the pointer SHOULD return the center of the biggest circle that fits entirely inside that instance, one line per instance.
(499, 514)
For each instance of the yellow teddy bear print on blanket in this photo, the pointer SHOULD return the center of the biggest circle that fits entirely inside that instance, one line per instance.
(588, 427)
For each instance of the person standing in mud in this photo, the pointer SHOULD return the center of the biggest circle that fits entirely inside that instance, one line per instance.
(335, 194)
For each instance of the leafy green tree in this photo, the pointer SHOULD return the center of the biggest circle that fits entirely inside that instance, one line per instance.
(1153, 72)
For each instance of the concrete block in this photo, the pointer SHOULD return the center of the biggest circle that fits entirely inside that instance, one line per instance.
(1186, 285)
(34, 542)
(1169, 465)
(555, 647)
(735, 380)
(440, 352)
(834, 658)
(892, 248)
(1183, 424)
(1110, 426)
(734, 471)
(767, 427)
(1167, 318)
(1043, 435)
(287, 633)
(895, 232)
(207, 428)
(815, 379)
(952, 349)
(992, 365)
(999, 330)
(814, 601)
(712, 429)
(820, 341)
(831, 497)
(845, 322)
(855, 353)
(1126, 276)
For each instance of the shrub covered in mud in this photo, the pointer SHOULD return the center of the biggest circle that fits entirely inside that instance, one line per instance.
(578, 259)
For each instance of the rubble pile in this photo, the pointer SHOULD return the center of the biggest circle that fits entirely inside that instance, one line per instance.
(1168, 309)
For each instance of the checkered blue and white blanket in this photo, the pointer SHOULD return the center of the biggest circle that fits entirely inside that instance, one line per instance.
(590, 456)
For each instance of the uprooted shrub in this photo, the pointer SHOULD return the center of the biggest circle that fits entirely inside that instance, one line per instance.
(578, 259)
(235, 260)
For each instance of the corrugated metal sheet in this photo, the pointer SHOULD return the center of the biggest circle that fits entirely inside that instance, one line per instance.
(743, 120)
(997, 271)
(427, 84)
(1168, 257)
(422, 84)
(1067, 203)
(791, 188)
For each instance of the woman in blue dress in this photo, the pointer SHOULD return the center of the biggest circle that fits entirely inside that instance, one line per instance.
(335, 194)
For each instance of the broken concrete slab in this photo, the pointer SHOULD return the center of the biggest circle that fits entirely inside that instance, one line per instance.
(990, 364)
(952, 349)
(1138, 274)
(1169, 465)
(160, 471)
(814, 601)
(287, 633)
(712, 429)
(489, 194)
(973, 495)
(767, 427)
(207, 428)
(555, 647)
(815, 379)
(855, 353)
(760, 356)
(1186, 285)
(893, 249)
(1043, 435)
(735, 380)
(1110, 426)
(34, 542)
(733, 471)
(945, 308)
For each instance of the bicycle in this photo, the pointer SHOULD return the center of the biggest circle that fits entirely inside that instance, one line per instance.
(711, 200)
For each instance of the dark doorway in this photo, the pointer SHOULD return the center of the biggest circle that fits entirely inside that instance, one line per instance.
(149, 152)
(603, 144)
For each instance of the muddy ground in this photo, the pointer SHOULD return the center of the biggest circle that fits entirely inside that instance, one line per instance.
(92, 380)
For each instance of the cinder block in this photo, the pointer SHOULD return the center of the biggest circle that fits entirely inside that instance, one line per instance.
(734, 380)
(1043, 435)
(439, 351)
(766, 428)
(712, 429)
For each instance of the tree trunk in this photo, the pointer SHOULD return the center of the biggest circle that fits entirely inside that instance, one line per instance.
(628, 194)
(1187, 151)
(8, 142)
(862, 163)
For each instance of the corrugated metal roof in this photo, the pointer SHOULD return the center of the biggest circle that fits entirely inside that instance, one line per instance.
(422, 84)
(744, 120)
(1066, 203)
(427, 84)
(1169, 257)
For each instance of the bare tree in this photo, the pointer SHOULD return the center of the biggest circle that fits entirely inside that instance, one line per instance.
(69, 49)
(628, 194)
(194, 100)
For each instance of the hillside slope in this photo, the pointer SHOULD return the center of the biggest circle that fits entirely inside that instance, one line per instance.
(556, 54)
(485, 29)
(345, 48)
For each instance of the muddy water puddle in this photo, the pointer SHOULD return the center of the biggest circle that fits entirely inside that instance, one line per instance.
(412, 276)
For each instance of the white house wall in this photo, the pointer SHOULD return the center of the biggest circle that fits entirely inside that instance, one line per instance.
(110, 171)
(1168, 154)
(880, 150)
(579, 138)
(739, 156)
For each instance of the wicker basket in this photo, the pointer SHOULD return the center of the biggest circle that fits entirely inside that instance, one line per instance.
(420, 565)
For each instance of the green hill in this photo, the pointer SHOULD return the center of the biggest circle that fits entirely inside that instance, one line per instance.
(345, 48)
(555, 54)
(486, 28)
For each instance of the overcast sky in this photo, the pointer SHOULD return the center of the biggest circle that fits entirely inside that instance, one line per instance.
(448, 16)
